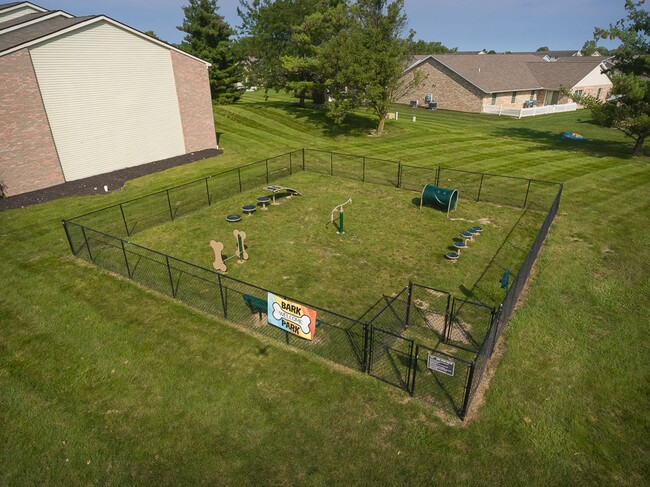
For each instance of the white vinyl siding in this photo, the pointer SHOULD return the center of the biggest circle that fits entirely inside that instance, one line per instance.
(17, 12)
(110, 99)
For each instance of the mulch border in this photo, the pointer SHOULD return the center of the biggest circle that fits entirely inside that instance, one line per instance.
(95, 184)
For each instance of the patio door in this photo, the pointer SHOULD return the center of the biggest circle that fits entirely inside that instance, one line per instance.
(556, 97)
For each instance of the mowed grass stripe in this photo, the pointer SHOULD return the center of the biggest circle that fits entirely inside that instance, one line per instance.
(201, 403)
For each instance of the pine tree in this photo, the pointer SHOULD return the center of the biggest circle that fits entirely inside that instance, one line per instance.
(208, 36)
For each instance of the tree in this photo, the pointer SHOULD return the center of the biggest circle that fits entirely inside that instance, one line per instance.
(590, 47)
(208, 37)
(542, 49)
(302, 70)
(629, 111)
(268, 35)
(151, 33)
(364, 63)
(424, 47)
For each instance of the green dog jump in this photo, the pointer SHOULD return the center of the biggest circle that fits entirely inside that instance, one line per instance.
(441, 198)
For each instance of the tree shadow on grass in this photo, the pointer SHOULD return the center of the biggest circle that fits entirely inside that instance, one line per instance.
(554, 141)
(354, 125)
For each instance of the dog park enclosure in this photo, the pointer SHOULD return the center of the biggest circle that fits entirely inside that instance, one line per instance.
(379, 342)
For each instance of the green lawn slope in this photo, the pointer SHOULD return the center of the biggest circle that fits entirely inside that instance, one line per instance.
(103, 382)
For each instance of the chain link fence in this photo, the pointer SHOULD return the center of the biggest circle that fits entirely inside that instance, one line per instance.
(382, 342)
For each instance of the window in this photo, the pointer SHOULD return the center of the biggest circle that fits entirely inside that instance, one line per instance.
(514, 97)
(600, 90)
(532, 95)
(494, 98)
(579, 92)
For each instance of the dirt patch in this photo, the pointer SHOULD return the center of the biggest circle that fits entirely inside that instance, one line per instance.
(479, 395)
(482, 221)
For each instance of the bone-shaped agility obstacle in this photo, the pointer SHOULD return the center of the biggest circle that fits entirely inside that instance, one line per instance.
(241, 249)
(218, 258)
(303, 322)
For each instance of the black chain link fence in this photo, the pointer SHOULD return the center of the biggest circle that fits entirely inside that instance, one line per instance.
(382, 341)
(446, 390)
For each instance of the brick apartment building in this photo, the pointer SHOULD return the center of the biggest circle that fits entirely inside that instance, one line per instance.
(81, 96)
(467, 82)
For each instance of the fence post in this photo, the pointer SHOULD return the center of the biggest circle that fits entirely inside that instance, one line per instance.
(468, 390)
(171, 279)
(408, 374)
(363, 173)
(399, 174)
(223, 300)
(438, 176)
(126, 260)
(207, 189)
(83, 230)
(527, 191)
(290, 164)
(494, 324)
(447, 318)
(67, 234)
(126, 227)
(331, 164)
(303, 159)
(366, 345)
(169, 202)
(480, 187)
(408, 304)
(267, 171)
(415, 369)
(239, 176)
(448, 324)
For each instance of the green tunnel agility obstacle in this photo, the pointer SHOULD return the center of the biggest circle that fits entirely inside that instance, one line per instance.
(444, 199)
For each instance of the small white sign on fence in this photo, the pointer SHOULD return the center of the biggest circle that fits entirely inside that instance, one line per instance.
(441, 365)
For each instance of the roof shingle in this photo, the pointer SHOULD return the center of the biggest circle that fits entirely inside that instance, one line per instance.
(493, 73)
(30, 33)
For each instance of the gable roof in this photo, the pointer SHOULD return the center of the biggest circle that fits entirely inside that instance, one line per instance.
(11, 40)
(15, 5)
(22, 19)
(5, 6)
(554, 75)
(494, 73)
(48, 28)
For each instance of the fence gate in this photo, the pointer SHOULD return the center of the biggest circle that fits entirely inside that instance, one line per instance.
(441, 379)
(390, 357)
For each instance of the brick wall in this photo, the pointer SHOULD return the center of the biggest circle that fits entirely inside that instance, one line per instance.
(450, 91)
(605, 91)
(505, 99)
(28, 157)
(195, 102)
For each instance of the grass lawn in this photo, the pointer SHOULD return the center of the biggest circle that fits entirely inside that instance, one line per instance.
(104, 382)
(388, 240)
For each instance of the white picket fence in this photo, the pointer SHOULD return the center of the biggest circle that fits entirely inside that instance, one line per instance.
(530, 112)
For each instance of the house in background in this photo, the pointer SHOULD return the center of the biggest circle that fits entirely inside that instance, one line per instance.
(467, 83)
(82, 96)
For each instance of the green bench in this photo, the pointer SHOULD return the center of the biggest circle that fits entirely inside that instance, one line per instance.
(259, 305)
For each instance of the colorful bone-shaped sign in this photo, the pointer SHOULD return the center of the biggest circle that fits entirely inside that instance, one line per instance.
(303, 322)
